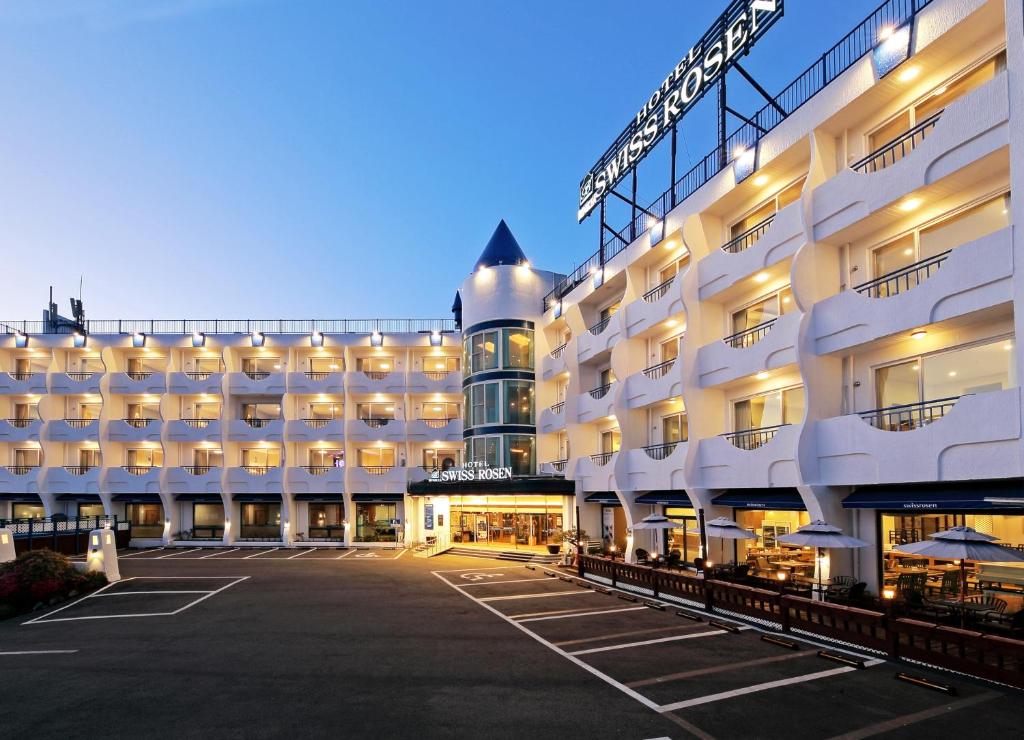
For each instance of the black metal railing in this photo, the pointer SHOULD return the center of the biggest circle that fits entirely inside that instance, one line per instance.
(826, 68)
(22, 375)
(436, 374)
(257, 469)
(79, 376)
(235, 326)
(317, 423)
(317, 469)
(21, 423)
(21, 469)
(79, 469)
(198, 469)
(750, 336)
(902, 280)
(559, 465)
(257, 374)
(197, 423)
(600, 326)
(256, 422)
(375, 423)
(198, 374)
(557, 351)
(316, 375)
(376, 374)
(138, 423)
(79, 423)
(747, 239)
(139, 469)
(376, 469)
(438, 423)
(907, 417)
(658, 371)
(138, 375)
(600, 392)
(660, 452)
(602, 458)
(558, 408)
(658, 290)
(751, 439)
(892, 152)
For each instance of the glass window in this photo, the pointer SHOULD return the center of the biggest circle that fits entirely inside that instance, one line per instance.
(319, 364)
(670, 349)
(207, 365)
(608, 311)
(325, 457)
(440, 459)
(484, 449)
(439, 410)
(29, 511)
(484, 351)
(519, 454)
(145, 458)
(899, 384)
(484, 404)
(260, 522)
(769, 410)
(894, 256)
(206, 410)
(976, 369)
(376, 522)
(948, 93)
(756, 314)
(518, 402)
(27, 457)
(673, 268)
(966, 226)
(375, 410)
(518, 348)
(674, 428)
(207, 458)
(791, 193)
(377, 457)
(890, 131)
(89, 458)
(91, 510)
(611, 440)
(208, 515)
(376, 364)
(260, 364)
(143, 411)
(322, 516)
(146, 519)
(440, 364)
(679, 538)
(748, 222)
(261, 411)
(607, 377)
(326, 411)
(261, 457)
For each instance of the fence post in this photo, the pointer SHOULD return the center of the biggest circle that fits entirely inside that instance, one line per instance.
(892, 637)
(654, 581)
(709, 598)
(784, 614)
(614, 571)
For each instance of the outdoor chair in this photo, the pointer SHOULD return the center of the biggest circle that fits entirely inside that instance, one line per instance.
(925, 607)
(994, 607)
(908, 583)
(642, 557)
(764, 568)
(856, 593)
(741, 572)
(839, 586)
(948, 586)
(674, 560)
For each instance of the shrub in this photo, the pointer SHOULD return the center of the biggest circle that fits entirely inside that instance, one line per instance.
(41, 576)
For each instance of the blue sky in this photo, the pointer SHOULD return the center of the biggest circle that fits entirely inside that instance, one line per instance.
(327, 159)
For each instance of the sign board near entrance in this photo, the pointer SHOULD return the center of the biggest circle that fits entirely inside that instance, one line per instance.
(471, 471)
(731, 36)
(428, 516)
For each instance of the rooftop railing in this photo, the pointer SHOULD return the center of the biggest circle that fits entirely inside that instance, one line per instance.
(236, 326)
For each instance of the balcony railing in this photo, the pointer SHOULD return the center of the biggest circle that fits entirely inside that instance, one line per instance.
(902, 280)
(658, 291)
(256, 422)
(376, 374)
(21, 469)
(658, 371)
(438, 423)
(602, 458)
(559, 465)
(234, 326)
(557, 352)
(197, 423)
(198, 469)
(256, 374)
(436, 374)
(558, 407)
(317, 469)
(316, 375)
(600, 392)
(908, 416)
(21, 423)
(375, 423)
(751, 439)
(139, 469)
(78, 469)
(198, 374)
(750, 336)
(747, 239)
(897, 149)
(79, 376)
(22, 376)
(258, 469)
(139, 375)
(376, 469)
(660, 452)
(79, 423)
(138, 423)
(598, 328)
(317, 423)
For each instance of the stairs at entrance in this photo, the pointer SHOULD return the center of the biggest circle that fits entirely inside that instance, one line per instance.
(519, 556)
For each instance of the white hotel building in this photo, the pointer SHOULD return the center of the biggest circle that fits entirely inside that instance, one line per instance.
(821, 324)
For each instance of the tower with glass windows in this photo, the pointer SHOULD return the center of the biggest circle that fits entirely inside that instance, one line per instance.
(501, 302)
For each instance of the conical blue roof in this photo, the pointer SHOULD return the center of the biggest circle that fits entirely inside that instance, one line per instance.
(502, 249)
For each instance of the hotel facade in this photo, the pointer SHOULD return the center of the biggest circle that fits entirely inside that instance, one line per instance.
(817, 321)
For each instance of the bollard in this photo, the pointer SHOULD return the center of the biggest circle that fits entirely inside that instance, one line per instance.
(102, 554)
(6, 546)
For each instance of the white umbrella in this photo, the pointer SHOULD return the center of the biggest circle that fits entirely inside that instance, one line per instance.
(655, 522)
(963, 544)
(725, 529)
(820, 534)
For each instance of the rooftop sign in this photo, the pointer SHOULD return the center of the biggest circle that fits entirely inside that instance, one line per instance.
(731, 36)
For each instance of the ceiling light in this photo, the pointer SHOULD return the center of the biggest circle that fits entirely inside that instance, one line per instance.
(760, 180)
(763, 375)
(435, 336)
(909, 74)
(908, 251)
(919, 334)
(952, 373)
(1008, 346)
(915, 367)
(939, 91)
(761, 277)
(910, 204)
(671, 322)
(316, 339)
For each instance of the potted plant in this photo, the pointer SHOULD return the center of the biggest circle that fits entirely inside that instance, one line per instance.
(555, 538)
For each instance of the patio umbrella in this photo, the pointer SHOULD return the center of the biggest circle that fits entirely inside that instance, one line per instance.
(962, 544)
(655, 522)
(820, 534)
(725, 529)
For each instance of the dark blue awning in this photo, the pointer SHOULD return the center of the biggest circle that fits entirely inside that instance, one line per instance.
(137, 498)
(948, 496)
(671, 498)
(22, 498)
(602, 497)
(84, 498)
(257, 498)
(378, 498)
(777, 499)
(321, 498)
(200, 498)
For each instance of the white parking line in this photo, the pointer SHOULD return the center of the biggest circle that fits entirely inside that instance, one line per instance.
(146, 593)
(218, 552)
(39, 652)
(499, 583)
(624, 645)
(762, 687)
(536, 596)
(177, 552)
(261, 552)
(583, 614)
(463, 570)
(345, 554)
(140, 552)
(301, 553)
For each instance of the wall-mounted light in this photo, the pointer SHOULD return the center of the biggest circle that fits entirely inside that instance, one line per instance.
(316, 339)
(198, 339)
(435, 339)
(892, 50)
(655, 233)
(78, 339)
(376, 339)
(258, 338)
(744, 162)
(20, 339)
(598, 272)
(558, 309)
(138, 339)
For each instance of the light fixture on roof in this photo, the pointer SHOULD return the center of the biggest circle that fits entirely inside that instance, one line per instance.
(885, 33)
(909, 74)
(558, 309)
(598, 273)
(316, 339)
(919, 334)
(78, 339)
(198, 339)
(138, 339)
(376, 339)
(20, 339)
(744, 162)
(435, 338)
(892, 50)
(257, 338)
(655, 232)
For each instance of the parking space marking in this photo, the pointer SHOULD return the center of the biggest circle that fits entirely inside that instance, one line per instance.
(140, 552)
(584, 614)
(498, 583)
(624, 645)
(631, 633)
(720, 668)
(897, 723)
(218, 552)
(301, 552)
(463, 570)
(260, 552)
(762, 687)
(39, 652)
(345, 554)
(147, 593)
(545, 595)
(177, 552)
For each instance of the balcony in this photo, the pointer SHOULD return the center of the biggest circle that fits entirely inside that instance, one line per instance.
(656, 467)
(754, 458)
(72, 430)
(974, 436)
(596, 404)
(653, 384)
(134, 430)
(376, 430)
(255, 479)
(552, 419)
(599, 338)
(138, 382)
(255, 383)
(193, 430)
(440, 430)
(967, 131)
(193, 479)
(555, 467)
(377, 479)
(972, 277)
(595, 474)
(435, 381)
(765, 347)
(14, 383)
(70, 479)
(317, 382)
(658, 305)
(20, 430)
(775, 239)
(315, 479)
(553, 363)
(74, 383)
(314, 430)
(194, 383)
(256, 430)
(131, 479)
(20, 479)
(377, 382)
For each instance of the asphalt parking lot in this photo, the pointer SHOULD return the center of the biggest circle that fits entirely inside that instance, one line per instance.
(265, 643)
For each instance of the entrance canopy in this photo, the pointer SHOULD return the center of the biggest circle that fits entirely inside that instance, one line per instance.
(257, 498)
(321, 498)
(84, 498)
(670, 498)
(377, 498)
(200, 498)
(137, 498)
(946, 496)
(776, 499)
(519, 486)
(602, 497)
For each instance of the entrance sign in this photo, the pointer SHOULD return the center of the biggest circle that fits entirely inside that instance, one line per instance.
(731, 36)
(471, 471)
(428, 516)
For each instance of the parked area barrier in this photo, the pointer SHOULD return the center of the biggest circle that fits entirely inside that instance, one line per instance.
(69, 535)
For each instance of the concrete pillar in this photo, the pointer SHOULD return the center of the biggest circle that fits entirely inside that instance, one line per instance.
(6, 546)
(102, 554)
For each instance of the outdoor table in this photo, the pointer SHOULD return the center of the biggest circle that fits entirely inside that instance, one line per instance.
(792, 563)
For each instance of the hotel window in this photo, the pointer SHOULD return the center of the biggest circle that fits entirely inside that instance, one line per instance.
(769, 410)
(206, 410)
(375, 410)
(90, 364)
(563, 446)
(518, 402)
(261, 411)
(208, 458)
(382, 364)
(207, 365)
(261, 457)
(146, 519)
(89, 458)
(519, 454)
(22, 367)
(86, 409)
(776, 203)
(763, 310)
(260, 521)
(27, 457)
(376, 522)
(24, 412)
(483, 351)
(252, 365)
(326, 411)
(149, 457)
(518, 348)
(606, 376)
(449, 364)
(611, 440)
(136, 365)
(439, 411)
(318, 364)
(484, 449)
(322, 516)
(482, 404)
(973, 369)
(674, 428)
(143, 410)
(672, 269)
(29, 511)
(669, 349)
(208, 515)
(377, 457)
(440, 459)
(608, 311)
(326, 458)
